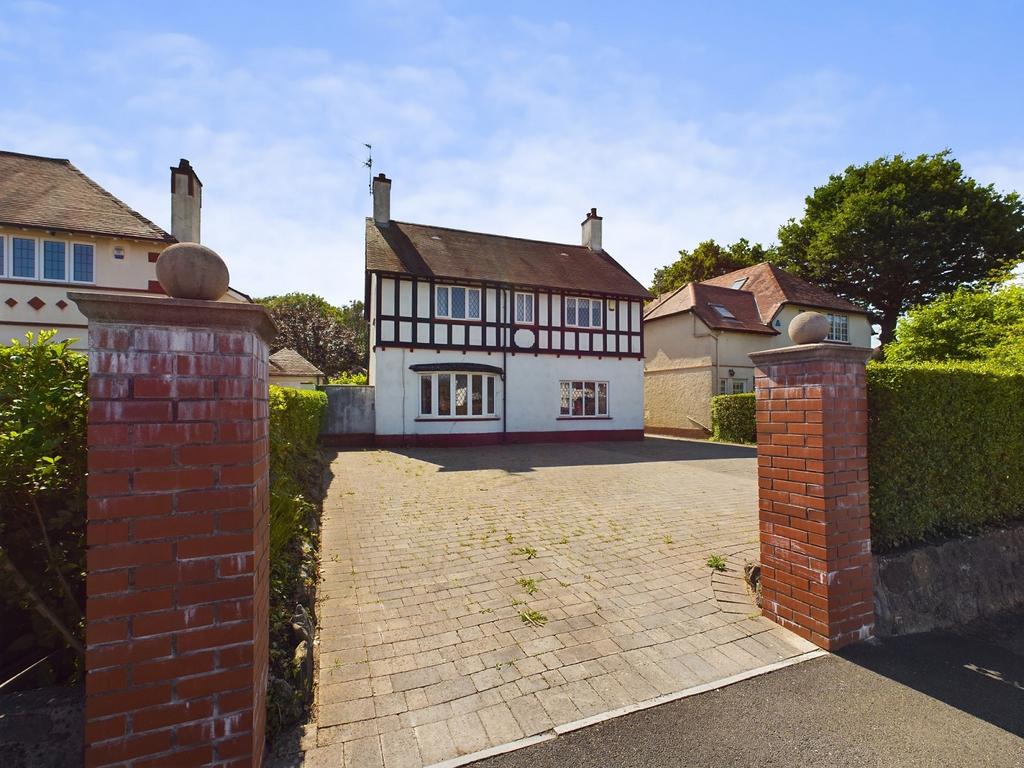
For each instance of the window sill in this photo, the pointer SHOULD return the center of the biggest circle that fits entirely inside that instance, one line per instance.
(583, 418)
(458, 418)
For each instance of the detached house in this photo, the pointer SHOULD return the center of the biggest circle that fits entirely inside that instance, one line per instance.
(479, 338)
(61, 231)
(697, 339)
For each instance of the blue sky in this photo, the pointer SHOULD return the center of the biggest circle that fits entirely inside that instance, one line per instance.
(678, 121)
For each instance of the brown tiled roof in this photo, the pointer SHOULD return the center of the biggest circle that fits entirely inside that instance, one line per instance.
(772, 287)
(53, 194)
(702, 299)
(288, 362)
(417, 249)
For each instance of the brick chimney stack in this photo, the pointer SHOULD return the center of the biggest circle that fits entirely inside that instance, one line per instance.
(382, 199)
(592, 231)
(186, 202)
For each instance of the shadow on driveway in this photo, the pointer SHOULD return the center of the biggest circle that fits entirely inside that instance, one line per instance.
(526, 458)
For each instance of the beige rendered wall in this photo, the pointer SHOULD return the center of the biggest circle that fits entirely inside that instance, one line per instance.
(298, 382)
(678, 373)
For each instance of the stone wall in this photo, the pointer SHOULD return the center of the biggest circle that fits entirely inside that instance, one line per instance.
(949, 584)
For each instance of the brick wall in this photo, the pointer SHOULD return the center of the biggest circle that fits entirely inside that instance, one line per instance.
(816, 576)
(177, 583)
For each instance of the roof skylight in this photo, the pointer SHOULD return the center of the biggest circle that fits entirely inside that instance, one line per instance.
(737, 284)
(723, 311)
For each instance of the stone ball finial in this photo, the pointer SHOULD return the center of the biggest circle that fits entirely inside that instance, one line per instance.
(808, 328)
(192, 271)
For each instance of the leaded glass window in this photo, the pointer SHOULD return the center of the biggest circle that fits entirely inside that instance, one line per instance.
(23, 257)
(583, 398)
(82, 262)
(54, 261)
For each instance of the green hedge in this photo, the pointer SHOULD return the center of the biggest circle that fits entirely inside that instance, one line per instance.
(43, 407)
(946, 449)
(733, 419)
(295, 490)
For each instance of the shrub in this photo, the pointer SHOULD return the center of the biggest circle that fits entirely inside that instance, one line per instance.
(295, 490)
(733, 419)
(350, 378)
(43, 407)
(946, 449)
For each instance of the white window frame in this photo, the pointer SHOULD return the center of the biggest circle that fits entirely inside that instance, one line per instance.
(590, 312)
(727, 386)
(488, 410)
(532, 307)
(71, 263)
(7, 259)
(448, 315)
(838, 328)
(565, 408)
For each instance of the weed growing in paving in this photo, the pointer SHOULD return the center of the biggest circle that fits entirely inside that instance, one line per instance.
(716, 562)
(528, 585)
(533, 618)
(530, 552)
(564, 540)
(509, 537)
(667, 539)
(517, 602)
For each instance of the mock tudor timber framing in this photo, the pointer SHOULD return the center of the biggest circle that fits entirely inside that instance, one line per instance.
(497, 334)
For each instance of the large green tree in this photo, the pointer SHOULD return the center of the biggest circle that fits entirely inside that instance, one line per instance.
(316, 329)
(899, 231)
(707, 260)
(968, 324)
(352, 317)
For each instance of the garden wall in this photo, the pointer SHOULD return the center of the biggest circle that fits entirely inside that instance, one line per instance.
(349, 418)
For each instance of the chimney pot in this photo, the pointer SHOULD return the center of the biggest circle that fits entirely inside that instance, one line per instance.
(382, 199)
(186, 202)
(592, 231)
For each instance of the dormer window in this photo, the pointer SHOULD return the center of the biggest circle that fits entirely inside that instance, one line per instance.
(723, 311)
(454, 302)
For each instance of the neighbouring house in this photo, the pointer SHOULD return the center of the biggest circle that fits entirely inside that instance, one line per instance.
(60, 231)
(479, 338)
(288, 368)
(697, 339)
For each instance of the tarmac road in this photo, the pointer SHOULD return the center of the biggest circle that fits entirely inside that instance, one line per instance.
(936, 699)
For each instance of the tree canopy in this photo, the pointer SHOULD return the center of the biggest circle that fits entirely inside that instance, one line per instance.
(319, 331)
(707, 260)
(967, 324)
(898, 232)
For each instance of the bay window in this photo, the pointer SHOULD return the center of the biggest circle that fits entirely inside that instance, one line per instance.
(457, 395)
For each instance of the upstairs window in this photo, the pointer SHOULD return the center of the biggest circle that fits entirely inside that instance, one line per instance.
(23, 257)
(584, 313)
(54, 260)
(738, 284)
(524, 308)
(453, 302)
(82, 263)
(838, 328)
(3, 255)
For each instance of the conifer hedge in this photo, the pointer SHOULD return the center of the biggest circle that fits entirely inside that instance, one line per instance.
(945, 449)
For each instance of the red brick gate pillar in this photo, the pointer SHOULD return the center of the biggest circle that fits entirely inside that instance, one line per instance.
(816, 571)
(177, 583)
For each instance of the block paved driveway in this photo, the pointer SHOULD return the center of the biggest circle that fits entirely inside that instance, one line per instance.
(475, 596)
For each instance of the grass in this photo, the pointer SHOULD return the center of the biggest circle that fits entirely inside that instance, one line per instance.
(716, 563)
(516, 602)
(533, 618)
(529, 585)
(530, 552)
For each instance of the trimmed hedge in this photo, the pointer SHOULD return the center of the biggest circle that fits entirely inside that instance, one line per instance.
(733, 419)
(945, 449)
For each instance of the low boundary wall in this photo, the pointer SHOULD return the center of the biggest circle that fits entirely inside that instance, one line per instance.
(350, 419)
(949, 584)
